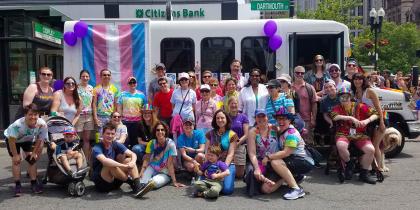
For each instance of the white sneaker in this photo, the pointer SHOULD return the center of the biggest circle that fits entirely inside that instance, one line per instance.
(294, 194)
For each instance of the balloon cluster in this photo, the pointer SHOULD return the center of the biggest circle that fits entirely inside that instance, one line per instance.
(80, 30)
(270, 29)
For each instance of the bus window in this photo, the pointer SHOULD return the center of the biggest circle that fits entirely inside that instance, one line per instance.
(217, 53)
(177, 54)
(256, 54)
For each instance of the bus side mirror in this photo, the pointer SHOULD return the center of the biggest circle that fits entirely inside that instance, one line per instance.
(415, 76)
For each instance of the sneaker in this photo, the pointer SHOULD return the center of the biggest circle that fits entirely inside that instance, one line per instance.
(149, 186)
(36, 188)
(364, 177)
(348, 171)
(294, 194)
(198, 194)
(18, 190)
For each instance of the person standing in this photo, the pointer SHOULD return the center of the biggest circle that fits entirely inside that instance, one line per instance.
(39, 93)
(307, 103)
(66, 102)
(130, 104)
(253, 96)
(28, 134)
(277, 100)
(154, 86)
(85, 124)
(317, 76)
(335, 72)
(160, 101)
(235, 72)
(205, 109)
(351, 69)
(230, 88)
(104, 102)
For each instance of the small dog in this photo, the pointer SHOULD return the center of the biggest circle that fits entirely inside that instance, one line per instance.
(392, 138)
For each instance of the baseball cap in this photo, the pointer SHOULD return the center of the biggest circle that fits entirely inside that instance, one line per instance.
(160, 65)
(260, 111)
(334, 65)
(205, 87)
(328, 82)
(183, 75)
(352, 61)
(274, 83)
(188, 119)
(69, 130)
(131, 79)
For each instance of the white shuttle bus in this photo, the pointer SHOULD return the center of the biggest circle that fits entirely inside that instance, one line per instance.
(180, 45)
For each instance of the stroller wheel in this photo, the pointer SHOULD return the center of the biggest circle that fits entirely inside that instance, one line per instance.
(72, 188)
(80, 188)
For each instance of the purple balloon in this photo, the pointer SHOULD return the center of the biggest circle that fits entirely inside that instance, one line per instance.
(58, 85)
(270, 28)
(70, 38)
(80, 29)
(275, 42)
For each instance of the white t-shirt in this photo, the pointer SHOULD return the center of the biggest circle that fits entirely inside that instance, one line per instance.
(190, 100)
(249, 103)
(22, 133)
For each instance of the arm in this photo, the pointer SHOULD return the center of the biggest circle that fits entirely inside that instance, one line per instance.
(328, 119)
(77, 116)
(171, 171)
(123, 137)
(221, 175)
(245, 136)
(132, 156)
(56, 102)
(12, 146)
(185, 156)
(29, 94)
(140, 141)
(231, 153)
(378, 108)
(252, 151)
(119, 108)
(286, 152)
(94, 108)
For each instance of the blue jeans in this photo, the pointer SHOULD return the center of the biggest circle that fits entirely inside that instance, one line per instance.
(229, 181)
(139, 150)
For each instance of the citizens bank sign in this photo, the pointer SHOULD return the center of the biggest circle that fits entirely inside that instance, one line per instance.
(161, 13)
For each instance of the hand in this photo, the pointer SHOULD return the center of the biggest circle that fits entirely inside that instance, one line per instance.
(331, 125)
(131, 165)
(16, 159)
(382, 126)
(257, 174)
(364, 123)
(265, 161)
(178, 185)
(34, 156)
(97, 121)
(313, 123)
(141, 174)
(215, 176)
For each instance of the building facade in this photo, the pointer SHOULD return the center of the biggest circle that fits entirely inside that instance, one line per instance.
(31, 34)
(403, 11)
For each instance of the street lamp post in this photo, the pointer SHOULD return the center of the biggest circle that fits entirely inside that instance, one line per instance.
(376, 19)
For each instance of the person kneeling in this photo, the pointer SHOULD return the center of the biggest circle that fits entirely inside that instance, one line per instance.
(352, 119)
(65, 151)
(213, 171)
(108, 173)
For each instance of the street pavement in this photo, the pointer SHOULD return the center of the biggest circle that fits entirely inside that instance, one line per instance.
(400, 190)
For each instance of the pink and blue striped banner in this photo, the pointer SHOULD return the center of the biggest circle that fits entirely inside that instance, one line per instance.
(119, 48)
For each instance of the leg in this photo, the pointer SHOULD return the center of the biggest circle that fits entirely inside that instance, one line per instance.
(214, 190)
(240, 160)
(342, 145)
(229, 181)
(377, 139)
(86, 144)
(139, 150)
(31, 168)
(79, 160)
(65, 163)
(268, 188)
(147, 175)
(161, 180)
(368, 153)
(200, 158)
(281, 169)
(200, 186)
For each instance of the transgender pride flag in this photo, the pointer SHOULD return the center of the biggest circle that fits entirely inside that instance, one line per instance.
(119, 48)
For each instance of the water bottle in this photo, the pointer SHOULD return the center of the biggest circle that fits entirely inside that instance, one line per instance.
(193, 180)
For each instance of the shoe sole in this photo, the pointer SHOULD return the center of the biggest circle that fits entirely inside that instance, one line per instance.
(145, 190)
(295, 198)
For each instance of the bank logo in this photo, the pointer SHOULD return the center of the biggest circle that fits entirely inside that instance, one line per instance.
(139, 13)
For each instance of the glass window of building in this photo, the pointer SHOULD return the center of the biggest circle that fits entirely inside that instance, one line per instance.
(217, 53)
(177, 54)
(20, 66)
(255, 53)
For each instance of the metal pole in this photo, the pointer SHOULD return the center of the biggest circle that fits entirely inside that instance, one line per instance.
(376, 47)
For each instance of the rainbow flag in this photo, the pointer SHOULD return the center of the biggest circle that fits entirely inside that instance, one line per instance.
(119, 48)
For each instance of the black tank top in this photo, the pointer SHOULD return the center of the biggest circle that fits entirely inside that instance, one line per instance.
(43, 100)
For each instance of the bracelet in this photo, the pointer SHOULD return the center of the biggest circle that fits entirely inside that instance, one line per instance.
(268, 158)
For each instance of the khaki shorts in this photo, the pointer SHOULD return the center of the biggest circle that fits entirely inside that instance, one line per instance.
(240, 155)
(85, 122)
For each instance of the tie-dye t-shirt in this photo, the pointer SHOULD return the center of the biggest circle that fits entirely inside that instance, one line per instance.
(159, 156)
(132, 103)
(86, 95)
(291, 138)
(105, 99)
(22, 133)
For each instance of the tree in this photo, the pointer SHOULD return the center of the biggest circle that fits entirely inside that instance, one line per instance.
(337, 10)
(397, 47)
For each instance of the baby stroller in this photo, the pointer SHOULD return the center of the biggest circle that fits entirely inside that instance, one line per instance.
(55, 172)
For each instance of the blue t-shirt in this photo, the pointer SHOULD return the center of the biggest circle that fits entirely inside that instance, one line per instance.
(209, 168)
(281, 101)
(194, 142)
(99, 149)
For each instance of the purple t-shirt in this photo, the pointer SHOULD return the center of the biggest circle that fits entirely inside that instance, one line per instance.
(209, 168)
(237, 124)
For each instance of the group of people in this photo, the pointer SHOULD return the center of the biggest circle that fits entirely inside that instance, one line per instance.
(217, 130)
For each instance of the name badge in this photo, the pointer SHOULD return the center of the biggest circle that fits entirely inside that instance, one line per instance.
(352, 131)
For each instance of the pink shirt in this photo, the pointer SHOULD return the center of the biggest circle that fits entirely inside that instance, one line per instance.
(204, 113)
(305, 108)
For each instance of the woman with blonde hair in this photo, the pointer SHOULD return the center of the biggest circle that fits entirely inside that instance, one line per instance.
(145, 130)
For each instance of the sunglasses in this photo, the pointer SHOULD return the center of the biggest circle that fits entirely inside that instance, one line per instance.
(206, 76)
(351, 65)
(46, 74)
(272, 87)
(162, 83)
(334, 70)
(183, 79)
(344, 97)
(132, 82)
(299, 73)
(214, 85)
(192, 76)
(205, 91)
(188, 124)
(319, 60)
(282, 81)
(160, 130)
(106, 75)
(116, 116)
(69, 84)
(255, 75)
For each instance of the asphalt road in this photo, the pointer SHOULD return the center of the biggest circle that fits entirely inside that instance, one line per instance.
(400, 190)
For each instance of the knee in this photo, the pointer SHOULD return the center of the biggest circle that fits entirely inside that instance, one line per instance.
(200, 158)
(368, 150)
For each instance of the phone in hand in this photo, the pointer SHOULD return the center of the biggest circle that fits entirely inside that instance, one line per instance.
(30, 160)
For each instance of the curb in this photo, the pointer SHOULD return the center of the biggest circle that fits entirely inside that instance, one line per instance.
(2, 143)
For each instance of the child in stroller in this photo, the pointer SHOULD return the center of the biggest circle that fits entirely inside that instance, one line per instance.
(67, 150)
